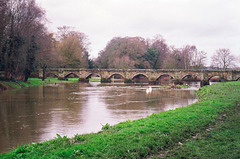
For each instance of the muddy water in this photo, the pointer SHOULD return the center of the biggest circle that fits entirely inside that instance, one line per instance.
(39, 113)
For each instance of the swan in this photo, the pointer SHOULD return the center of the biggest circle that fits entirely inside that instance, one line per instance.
(149, 90)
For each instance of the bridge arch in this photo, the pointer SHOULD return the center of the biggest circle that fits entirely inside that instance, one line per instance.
(165, 75)
(71, 75)
(140, 78)
(119, 75)
(191, 77)
(187, 77)
(164, 78)
(51, 75)
(216, 78)
(92, 74)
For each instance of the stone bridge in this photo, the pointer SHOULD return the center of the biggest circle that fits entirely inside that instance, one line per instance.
(151, 74)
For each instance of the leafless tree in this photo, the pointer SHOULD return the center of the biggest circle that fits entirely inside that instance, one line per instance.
(157, 52)
(187, 54)
(72, 46)
(24, 24)
(187, 57)
(4, 20)
(198, 59)
(222, 58)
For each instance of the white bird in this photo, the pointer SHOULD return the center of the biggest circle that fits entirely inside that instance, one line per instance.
(149, 90)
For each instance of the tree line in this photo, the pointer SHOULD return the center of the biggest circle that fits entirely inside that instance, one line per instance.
(140, 53)
(26, 46)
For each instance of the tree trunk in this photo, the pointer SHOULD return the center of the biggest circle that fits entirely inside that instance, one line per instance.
(44, 72)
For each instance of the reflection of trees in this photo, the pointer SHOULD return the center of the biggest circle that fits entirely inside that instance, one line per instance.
(34, 114)
(17, 124)
(26, 113)
(132, 99)
(63, 107)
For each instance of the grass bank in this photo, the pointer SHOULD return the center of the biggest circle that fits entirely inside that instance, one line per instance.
(94, 79)
(174, 86)
(221, 139)
(32, 82)
(167, 134)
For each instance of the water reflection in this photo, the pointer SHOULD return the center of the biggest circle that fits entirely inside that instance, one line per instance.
(39, 113)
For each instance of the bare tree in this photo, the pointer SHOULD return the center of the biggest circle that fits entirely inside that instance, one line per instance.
(157, 52)
(198, 59)
(24, 24)
(47, 55)
(187, 54)
(4, 20)
(184, 58)
(72, 46)
(222, 58)
(173, 59)
(238, 61)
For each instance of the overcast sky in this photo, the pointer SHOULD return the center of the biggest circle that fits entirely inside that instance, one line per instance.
(208, 24)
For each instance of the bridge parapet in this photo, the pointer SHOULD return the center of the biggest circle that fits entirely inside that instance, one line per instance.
(151, 74)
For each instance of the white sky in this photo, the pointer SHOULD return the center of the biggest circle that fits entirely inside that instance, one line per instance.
(208, 24)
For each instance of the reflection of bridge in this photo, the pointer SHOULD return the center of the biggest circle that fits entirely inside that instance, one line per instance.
(151, 74)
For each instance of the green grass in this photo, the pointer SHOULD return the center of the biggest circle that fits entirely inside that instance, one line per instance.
(34, 82)
(94, 79)
(8, 85)
(219, 140)
(174, 86)
(169, 134)
(37, 81)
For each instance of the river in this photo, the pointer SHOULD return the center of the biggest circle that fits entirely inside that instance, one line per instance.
(37, 114)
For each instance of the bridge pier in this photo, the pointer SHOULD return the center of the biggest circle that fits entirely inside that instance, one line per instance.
(204, 83)
(152, 82)
(177, 81)
(105, 80)
(127, 80)
(83, 80)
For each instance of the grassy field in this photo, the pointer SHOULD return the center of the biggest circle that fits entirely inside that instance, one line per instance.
(33, 82)
(37, 81)
(206, 129)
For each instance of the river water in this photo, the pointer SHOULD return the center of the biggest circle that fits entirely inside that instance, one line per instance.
(37, 114)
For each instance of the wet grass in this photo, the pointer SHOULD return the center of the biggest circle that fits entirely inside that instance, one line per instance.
(37, 81)
(220, 139)
(212, 122)
(174, 86)
(9, 85)
(33, 82)
(94, 79)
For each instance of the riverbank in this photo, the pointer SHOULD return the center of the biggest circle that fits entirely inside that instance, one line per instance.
(156, 134)
(4, 85)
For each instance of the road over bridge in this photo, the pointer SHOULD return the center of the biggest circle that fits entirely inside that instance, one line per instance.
(152, 75)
